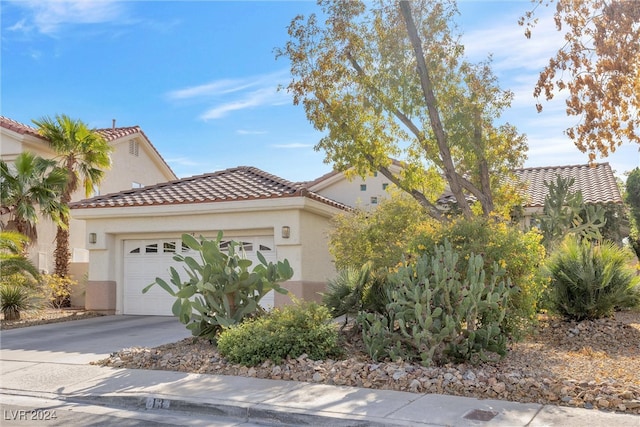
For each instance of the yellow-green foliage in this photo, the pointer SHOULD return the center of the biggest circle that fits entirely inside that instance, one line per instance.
(590, 281)
(520, 254)
(378, 237)
(57, 289)
(302, 328)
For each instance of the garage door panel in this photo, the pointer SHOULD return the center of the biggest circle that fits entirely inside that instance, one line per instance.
(144, 260)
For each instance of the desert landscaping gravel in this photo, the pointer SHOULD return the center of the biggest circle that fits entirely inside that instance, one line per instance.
(588, 364)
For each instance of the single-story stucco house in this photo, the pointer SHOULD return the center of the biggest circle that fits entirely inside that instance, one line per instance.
(132, 235)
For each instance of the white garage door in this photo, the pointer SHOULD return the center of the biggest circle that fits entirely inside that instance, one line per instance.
(144, 260)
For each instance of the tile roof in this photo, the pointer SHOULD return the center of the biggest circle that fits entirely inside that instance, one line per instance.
(333, 173)
(22, 129)
(109, 134)
(597, 183)
(240, 183)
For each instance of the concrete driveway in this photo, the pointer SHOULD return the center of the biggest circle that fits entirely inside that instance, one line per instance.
(86, 340)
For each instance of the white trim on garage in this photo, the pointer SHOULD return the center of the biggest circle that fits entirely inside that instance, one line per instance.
(146, 259)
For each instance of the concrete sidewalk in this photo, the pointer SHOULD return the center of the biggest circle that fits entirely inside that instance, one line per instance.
(280, 402)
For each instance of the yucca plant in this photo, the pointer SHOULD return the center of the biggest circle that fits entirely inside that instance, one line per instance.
(590, 280)
(13, 300)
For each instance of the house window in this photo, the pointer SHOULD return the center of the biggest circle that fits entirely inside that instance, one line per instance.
(169, 247)
(151, 249)
(385, 185)
(363, 187)
(133, 148)
(374, 200)
(136, 185)
(375, 174)
(246, 246)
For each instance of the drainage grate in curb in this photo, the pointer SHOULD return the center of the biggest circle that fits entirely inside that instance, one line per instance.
(480, 415)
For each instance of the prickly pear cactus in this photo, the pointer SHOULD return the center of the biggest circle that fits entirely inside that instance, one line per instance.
(434, 317)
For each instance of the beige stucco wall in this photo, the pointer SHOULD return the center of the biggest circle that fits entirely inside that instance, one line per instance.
(305, 249)
(350, 193)
(128, 168)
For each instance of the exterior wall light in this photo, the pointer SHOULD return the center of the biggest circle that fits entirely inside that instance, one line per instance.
(93, 237)
(286, 232)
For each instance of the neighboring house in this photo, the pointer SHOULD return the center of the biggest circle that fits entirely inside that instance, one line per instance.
(597, 184)
(136, 233)
(364, 193)
(135, 163)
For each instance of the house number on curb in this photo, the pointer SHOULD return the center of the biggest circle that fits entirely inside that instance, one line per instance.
(153, 403)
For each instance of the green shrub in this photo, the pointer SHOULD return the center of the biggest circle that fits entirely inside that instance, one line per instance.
(520, 254)
(355, 290)
(589, 281)
(378, 237)
(302, 328)
(436, 316)
(221, 290)
(13, 300)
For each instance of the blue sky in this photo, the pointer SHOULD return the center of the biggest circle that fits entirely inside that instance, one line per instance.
(200, 78)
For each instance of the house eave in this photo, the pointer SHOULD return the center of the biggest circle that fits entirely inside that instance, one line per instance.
(226, 207)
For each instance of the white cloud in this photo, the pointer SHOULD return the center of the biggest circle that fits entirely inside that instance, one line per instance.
(20, 26)
(227, 86)
(49, 17)
(218, 87)
(504, 39)
(265, 96)
(229, 95)
(292, 145)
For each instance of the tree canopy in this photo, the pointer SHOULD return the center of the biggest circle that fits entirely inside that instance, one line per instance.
(599, 67)
(30, 186)
(84, 155)
(389, 81)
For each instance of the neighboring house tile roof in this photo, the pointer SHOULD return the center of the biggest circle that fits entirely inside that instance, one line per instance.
(109, 134)
(597, 183)
(333, 173)
(18, 127)
(240, 183)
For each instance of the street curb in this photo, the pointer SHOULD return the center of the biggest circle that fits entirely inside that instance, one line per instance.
(241, 411)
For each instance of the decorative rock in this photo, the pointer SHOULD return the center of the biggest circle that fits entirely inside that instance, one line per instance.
(469, 375)
(400, 373)
(499, 387)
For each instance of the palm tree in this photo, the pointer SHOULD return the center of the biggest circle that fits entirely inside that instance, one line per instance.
(29, 183)
(12, 259)
(84, 155)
